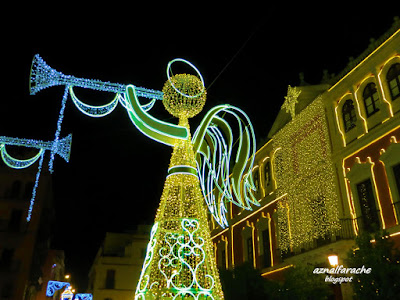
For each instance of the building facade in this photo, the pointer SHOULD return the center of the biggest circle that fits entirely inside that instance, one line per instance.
(329, 171)
(23, 245)
(117, 265)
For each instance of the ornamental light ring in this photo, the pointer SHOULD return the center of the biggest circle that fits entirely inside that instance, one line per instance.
(169, 74)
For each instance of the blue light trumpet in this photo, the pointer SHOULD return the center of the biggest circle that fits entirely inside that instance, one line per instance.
(61, 147)
(43, 76)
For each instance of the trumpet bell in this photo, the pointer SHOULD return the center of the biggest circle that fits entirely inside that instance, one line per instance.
(63, 147)
(42, 75)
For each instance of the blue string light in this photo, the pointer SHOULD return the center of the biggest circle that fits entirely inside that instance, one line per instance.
(83, 297)
(53, 286)
(58, 130)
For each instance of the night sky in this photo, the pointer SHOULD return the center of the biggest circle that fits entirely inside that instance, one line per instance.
(247, 56)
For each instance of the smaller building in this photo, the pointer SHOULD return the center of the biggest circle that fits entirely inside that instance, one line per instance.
(117, 265)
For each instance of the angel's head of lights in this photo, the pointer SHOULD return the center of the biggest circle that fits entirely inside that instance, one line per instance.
(184, 95)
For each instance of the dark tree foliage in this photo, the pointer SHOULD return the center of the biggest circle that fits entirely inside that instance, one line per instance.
(246, 283)
(381, 256)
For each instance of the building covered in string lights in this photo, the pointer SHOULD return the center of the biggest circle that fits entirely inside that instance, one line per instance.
(329, 171)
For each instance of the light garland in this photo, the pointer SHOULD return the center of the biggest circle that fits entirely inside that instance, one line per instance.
(305, 172)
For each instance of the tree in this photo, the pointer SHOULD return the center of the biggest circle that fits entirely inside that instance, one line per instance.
(300, 283)
(246, 283)
(384, 280)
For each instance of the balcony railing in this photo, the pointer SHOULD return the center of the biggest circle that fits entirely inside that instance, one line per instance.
(346, 230)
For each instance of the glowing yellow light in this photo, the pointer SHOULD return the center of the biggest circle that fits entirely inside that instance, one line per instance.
(277, 270)
(390, 191)
(348, 192)
(179, 105)
(377, 191)
(338, 121)
(304, 171)
(333, 260)
(382, 89)
(359, 113)
(270, 240)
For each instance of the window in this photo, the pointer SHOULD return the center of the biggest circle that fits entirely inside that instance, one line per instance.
(223, 259)
(266, 248)
(28, 190)
(267, 172)
(393, 80)
(110, 279)
(256, 180)
(6, 258)
(249, 249)
(370, 96)
(15, 189)
(349, 115)
(369, 214)
(396, 172)
(14, 223)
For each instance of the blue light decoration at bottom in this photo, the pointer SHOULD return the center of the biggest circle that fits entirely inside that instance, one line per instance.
(83, 297)
(53, 286)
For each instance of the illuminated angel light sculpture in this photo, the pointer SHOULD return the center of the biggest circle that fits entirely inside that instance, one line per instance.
(180, 261)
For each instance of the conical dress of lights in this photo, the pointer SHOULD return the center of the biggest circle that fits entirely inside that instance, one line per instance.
(180, 261)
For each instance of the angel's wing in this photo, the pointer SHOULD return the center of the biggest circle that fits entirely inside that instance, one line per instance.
(218, 146)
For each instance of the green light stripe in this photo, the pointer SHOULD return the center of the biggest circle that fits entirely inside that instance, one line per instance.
(182, 170)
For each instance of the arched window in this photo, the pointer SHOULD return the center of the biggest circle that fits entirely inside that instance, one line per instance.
(393, 80)
(370, 96)
(267, 173)
(349, 115)
(256, 179)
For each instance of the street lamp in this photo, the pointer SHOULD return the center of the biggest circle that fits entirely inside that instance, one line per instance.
(333, 260)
